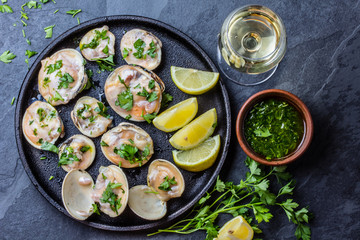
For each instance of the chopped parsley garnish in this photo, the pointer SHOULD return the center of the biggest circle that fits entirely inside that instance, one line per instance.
(123, 82)
(73, 12)
(31, 122)
(132, 153)
(42, 114)
(150, 97)
(148, 117)
(167, 183)
(52, 114)
(46, 82)
(102, 110)
(12, 101)
(126, 52)
(30, 4)
(51, 178)
(151, 192)
(125, 100)
(95, 208)
(49, 147)
(128, 117)
(106, 50)
(23, 32)
(57, 97)
(65, 80)
(139, 46)
(5, 8)
(53, 67)
(166, 98)
(49, 31)
(35, 131)
(29, 53)
(24, 15)
(68, 157)
(43, 158)
(89, 84)
(28, 42)
(106, 64)
(85, 149)
(96, 40)
(59, 130)
(56, 11)
(137, 86)
(110, 197)
(85, 108)
(24, 23)
(7, 56)
(103, 176)
(151, 84)
(78, 20)
(152, 50)
(104, 144)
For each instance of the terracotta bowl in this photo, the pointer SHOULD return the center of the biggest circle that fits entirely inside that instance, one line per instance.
(291, 99)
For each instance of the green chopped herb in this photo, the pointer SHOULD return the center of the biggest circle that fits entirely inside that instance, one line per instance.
(148, 117)
(3, 1)
(68, 157)
(78, 20)
(167, 183)
(30, 4)
(96, 40)
(137, 86)
(85, 149)
(152, 50)
(125, 100)
(29, 53)
(14, 24)
(95, 208)
(151, 192)
(73, 12)
(28, 41)
(104, 144)
(27, 62)
(53, 1)
(35, 131)
(106, 64)
(49, 31)
(46, 82)
(43, 158)
(31, 122)
(102, 110)
(24, 23)
(65, 80)
(42, 114)
(24, 15)
(53, 67)
(56, 11)
(44, 1)
(57, 97)
(23, 33)
(59, 130)
(131, 153)
(5, 8)
(150, 97)
(110, 197)
(151, 84)
(85, 108)
(139, 45)
(166, 98)
(12, 101)
(103, 176)
(51, 178)
(7, 56)
(49, 147)
(128, 117)
(106, 50)
(123, 82)
(214, 125)
(126, 52)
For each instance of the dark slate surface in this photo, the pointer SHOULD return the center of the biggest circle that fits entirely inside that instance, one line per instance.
(321, 66)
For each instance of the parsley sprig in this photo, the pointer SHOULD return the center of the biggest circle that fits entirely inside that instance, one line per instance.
(110, 197)
(132, 153)
(250, 198)
(167, 183)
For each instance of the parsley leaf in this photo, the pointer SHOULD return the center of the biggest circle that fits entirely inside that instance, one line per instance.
(110, 197)
(5, 8)
(148, 117)
(57, 97)
(85, 148)
(29, 53)
(7, 56)
(139, 46)
(166, 98)
(42, 114)
(65, 80)
(49, 31)
(68, 157)
(106, 63)
(53, 67)
(49, 147)
(104, 144)
(126, 52)
(96, 40)
(125, 100)
(102, 110)
(262, 132)
(167, 183)
(95, 208)
(152, 50)
(132, 153)
(73, 12)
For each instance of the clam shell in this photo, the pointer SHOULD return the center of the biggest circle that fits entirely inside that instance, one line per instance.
(49, 129)
(157, 172)
(48, 84)
(121, 135)
(89, 128)
(147, 61)
(146, 204)
(76, 194)
(77, 142)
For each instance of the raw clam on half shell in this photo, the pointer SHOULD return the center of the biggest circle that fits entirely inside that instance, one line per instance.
(90, 117)
(127, 145)
(62, 76)
(134, 92)
(142, 48)
(42, 123)
(97, 44)
(77, 152)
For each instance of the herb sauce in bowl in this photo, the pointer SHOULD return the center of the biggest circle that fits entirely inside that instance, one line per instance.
(273, 128)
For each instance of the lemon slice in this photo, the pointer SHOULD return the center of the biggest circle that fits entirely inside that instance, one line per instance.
(200, 157)
(195, 132)
(193, 81)
(236, 229)
(177, 116)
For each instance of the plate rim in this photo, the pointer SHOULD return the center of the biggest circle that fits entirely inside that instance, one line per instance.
(20, 98)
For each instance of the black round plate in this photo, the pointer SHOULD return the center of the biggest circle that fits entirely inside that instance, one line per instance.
(178, 50)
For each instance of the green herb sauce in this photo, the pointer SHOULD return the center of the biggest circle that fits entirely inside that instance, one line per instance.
(273, 128)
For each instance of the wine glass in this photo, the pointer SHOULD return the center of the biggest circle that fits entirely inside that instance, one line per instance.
(251, 44)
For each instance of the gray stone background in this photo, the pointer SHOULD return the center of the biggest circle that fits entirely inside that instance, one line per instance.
(321, 66)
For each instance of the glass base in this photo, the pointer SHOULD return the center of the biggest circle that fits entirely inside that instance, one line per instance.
(240, 78)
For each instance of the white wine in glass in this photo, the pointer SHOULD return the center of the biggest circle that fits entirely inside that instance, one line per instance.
(252, 42)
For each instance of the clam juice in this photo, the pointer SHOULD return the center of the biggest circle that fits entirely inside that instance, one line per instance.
(252, 39)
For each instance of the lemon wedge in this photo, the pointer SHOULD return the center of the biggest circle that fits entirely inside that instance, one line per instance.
(177, 116)
(193, 81)
(236, 229)
(195, 132)
(200, 157)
